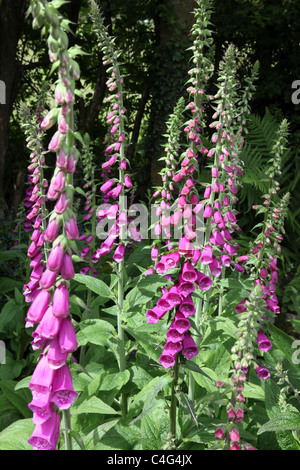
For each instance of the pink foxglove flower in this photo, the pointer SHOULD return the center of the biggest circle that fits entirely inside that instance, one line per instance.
(264, 343)
(167, 360)
(62, 203)
(173, 296)
(45, 435)
(172, 347)
(60, 301)
(234, 435)
(63, 393)
(187, 306)
(181, 322)
(155, 314)
(56, 358)
(188, 272)
(206, 255)
(67, 336)
(55, 258)
(71, 228)
(52, 230)
(219, 434)
(55, 142)
(38, 307)
(189, 346)
(48, 327)
(204, 282)
(42, 376)
(173, 334)
(67, 268)
(119, 253)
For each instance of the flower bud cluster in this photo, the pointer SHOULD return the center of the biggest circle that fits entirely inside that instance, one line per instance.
(228, 438)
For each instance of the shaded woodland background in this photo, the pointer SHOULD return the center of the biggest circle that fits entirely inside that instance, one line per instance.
(154, 37)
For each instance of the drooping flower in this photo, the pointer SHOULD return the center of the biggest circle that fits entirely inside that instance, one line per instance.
(264, 343)
(262, 372)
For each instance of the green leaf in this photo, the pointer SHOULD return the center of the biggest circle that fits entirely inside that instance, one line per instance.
(145, 399)
(75, 51)
(15, 436)
(80, 191)
(119, 437)
(144, 291)
(146, 340)
(108, 380)
(95, 436)
(255, 391)
(58, 3)
(95, 331)
(272, 392)
(204, 376)
(78, 136)
(55, 65)
(92, 405)
(11, 254)
(11, 369)
(24, 383)
(282, 341)
(284, 421)
(19, 298)
(155, 428)
(19, 399)
(95, 285)
(8, 313)
(75, 300)
(7, 284)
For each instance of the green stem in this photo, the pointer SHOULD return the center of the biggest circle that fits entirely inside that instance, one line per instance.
(66, 429)
(121, 267)
(88, 309)
(220, 306)
(121, 270)
(201, 303)
(173, 408)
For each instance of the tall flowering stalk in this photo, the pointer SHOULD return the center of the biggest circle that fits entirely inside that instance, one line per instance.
(261, 265)
(51, 382)
(115, 187)
(35, 217)
(220, 196)
(184, 249)
(202, 262)
(238, 110)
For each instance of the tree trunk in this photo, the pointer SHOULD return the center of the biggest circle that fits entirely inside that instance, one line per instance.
(172, 28)
(11, 21)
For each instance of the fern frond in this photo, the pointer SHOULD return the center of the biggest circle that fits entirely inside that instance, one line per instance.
(262, 132)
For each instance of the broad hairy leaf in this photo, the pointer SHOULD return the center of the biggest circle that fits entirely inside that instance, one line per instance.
(92, 405)
(15, 436)
(96, 285)
(284, 421)
(95, 331)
